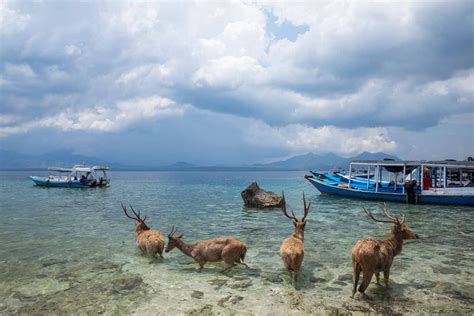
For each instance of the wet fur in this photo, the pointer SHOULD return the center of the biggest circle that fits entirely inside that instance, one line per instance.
(149, 241)
(374, 256)
(292, 250)
(228, 249)
(292, 254)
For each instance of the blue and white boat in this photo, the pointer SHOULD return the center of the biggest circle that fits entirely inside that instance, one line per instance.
(426, 182)
(78, 176)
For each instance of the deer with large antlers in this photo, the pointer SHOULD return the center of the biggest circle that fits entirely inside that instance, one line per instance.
(374, 256)
(147, 240)
(292, 248)
(228, 249)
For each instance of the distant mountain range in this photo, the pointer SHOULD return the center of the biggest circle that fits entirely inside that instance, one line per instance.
(10, 160)
(328, 161)
(62, 158)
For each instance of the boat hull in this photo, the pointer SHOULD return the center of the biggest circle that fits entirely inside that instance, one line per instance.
(334, 189)
(63, 183)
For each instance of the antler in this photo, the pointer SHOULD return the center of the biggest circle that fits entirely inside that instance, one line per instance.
(369, 214)
(172, 232)
(125, 211)
(306, 208)
(391, 216)
(284, 209)
(137, 215)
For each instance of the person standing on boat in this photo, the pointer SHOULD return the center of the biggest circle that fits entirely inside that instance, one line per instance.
(426, 179)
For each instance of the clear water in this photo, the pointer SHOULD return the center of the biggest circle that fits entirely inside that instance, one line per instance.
(72, 250)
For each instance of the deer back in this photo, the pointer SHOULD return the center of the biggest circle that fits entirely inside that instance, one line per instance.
(372, 254)
(213, 249)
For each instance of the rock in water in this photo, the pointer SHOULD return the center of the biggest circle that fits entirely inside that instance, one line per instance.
(253, 196)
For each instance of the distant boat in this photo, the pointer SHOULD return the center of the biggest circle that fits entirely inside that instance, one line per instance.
(425, 182)
(78, 176)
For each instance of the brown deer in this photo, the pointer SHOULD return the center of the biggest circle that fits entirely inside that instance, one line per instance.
(292, 248)
(374, 256)
(228, 249)
(147, 240)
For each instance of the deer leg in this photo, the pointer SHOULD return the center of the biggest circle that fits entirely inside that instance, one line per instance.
(201, 263)
(386, 275)
(295, 276)
(229, 267)
(355, 276)
(377, 277)
(366, 278)
(244, 264)
(142, 249)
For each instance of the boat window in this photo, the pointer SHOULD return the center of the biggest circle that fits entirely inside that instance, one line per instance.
(458, 177)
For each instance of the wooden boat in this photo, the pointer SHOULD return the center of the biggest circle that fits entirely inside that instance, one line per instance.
(78, 176)
(433, 182)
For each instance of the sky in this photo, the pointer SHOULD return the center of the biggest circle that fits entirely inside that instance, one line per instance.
(237, 82)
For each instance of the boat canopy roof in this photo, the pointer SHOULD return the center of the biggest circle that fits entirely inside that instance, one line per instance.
(79, 168)
(415, 163)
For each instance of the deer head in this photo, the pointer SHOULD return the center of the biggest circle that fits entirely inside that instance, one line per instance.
(298, 223)
(173, 240)
(139, 222)
(399, 228)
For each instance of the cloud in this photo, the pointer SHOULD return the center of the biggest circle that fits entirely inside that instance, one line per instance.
(19, 71)
(11, 21)
(359, 70)
(150, 72)
(229, 72)
(100, 118)
(301, 139)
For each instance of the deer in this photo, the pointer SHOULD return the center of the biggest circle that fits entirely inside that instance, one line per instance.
(292, 248)
(147, 240)
(374, 256)
(228, 249)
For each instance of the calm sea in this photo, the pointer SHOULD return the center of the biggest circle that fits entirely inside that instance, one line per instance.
(72, 250)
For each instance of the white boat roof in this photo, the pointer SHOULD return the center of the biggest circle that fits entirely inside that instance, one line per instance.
(444, 163)
(79, 168)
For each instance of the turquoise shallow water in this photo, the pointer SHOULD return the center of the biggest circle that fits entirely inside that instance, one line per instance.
(72, 250)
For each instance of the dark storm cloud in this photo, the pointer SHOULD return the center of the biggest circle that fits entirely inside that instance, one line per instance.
(113, 67)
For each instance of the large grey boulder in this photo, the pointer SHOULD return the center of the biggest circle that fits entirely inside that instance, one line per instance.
(253, 196)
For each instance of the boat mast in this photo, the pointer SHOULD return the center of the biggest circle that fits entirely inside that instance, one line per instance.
(368, 176)
(444, 177)
(377, 176)
(403, 177)
(422, 170)
(350, 175)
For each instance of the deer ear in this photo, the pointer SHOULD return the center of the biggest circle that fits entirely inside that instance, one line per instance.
(180, 236)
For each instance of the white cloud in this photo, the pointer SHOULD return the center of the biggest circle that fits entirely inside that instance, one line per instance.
(7, 119)
(300, 139)
(11, 21)
(156, 72)
(72, 50)
(229, 72)
(359, 66)
(19, 71)
(102, 118)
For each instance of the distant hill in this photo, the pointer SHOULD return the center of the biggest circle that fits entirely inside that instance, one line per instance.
(373, 156)
(312, 161)
(66, 158)
(307, 161)
(10, 160)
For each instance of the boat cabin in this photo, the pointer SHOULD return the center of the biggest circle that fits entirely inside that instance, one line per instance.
(437, 182)
(429, 175)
